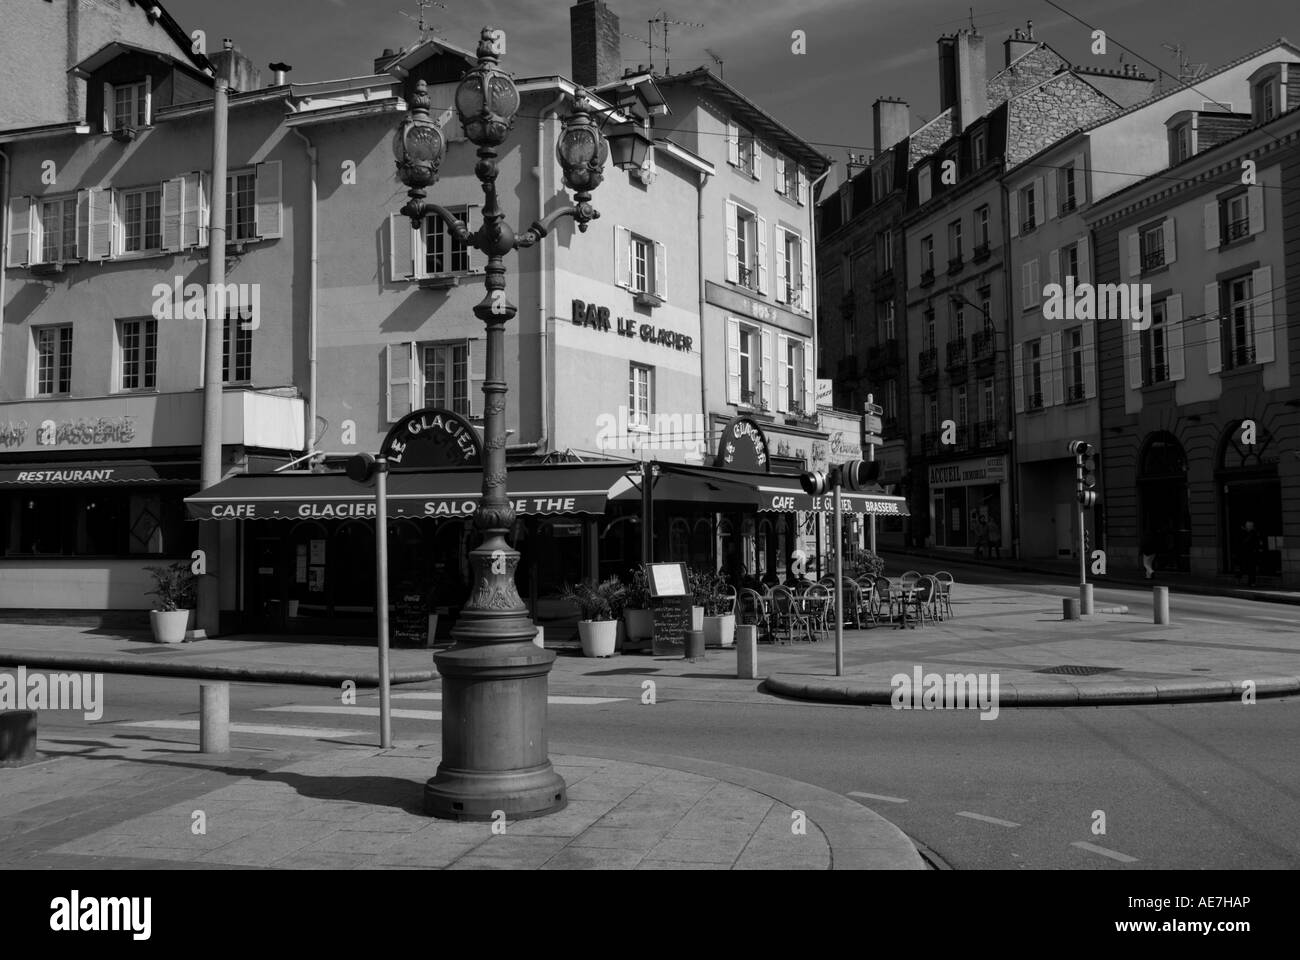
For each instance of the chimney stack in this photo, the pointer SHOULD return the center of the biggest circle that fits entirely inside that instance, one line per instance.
(280, 70)
(594, 39)
(237, 69)
(972, 79)
(891, 121)
(1020, 42)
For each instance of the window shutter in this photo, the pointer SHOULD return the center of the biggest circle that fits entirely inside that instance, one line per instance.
(477, 374)
(809, 378)
(1213, 359)
(1133, 353)
(1013, 200)
(1052, 176)
(923, 188)
(758, 160)
(1054, 266)
(782, 281)
(1085, 266)
(661, 271)
(401, 248)
(1027, 271)
(1134, 255)
(401, 385)
(173, 198)
(268, 215)
(782, 374)
(1039, 197)
(1255, 208)
(101, 225)
(1089, 362)
(1261, 284)
(1080, 181)
(803, 188)
(780, 175)
(762, 256)
(733, 144)
(1046, 365)
(766, 368)
(1171, 240)
(189, 226)
(1058, 369)
(148, 101)
(1174, 336)
(1018, 374)
(1212, 225)
(108, 108)
(733, 243)
(83, 224)
(21, 215)
(733, 361)
(805, 276)
(205, 203)
(623, 257)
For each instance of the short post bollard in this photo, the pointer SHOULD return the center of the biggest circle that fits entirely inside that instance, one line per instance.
(214, 717)
(1161, 604)
(17, 737)
(694, 644)
(1085, 599)
(1070, 608)
(747, 652)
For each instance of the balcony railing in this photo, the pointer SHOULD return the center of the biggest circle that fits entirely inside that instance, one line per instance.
(1068, 204)
(981, 252)
(1074, 393)
(928, 362)
(986, 433)
(1153, 259)
(748, 276)
(927, 277)
(930, 443)
(956, 354)
(983, 345)
(1034, 401)
(1027, 225)
(955, 265)
(1236, 229)
(1156, 373)
(1241, 355)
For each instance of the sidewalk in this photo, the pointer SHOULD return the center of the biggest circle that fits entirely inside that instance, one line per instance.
(132, 804)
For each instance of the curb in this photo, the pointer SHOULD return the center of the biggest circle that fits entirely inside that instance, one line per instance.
(302, 675)
(858, 837)
(839, 690)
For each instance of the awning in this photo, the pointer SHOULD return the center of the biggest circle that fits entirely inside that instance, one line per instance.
(82, 474)
(535, 489)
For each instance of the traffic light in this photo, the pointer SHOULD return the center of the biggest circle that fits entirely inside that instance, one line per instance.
(361, 467)
(1085, 472)
(859, 474)
(815, 483)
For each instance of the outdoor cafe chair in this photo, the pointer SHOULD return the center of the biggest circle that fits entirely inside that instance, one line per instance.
(923, 599)
(945, 581)
(786, 617)
(751, 610)
(818, 602)
(867, 594)
(884, 597)
(909, 578)
(729, 594)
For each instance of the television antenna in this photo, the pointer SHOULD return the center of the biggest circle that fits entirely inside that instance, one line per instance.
(648, 43)
(1187, 71)
(665, 21)
(716, 59)
(425, 28)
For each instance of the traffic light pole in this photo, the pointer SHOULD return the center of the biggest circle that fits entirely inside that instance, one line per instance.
(871, 458)
(381, 599)
(839, 585)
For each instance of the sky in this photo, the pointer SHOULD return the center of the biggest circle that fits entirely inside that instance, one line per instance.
(856, 50)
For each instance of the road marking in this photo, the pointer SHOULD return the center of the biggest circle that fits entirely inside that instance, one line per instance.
(1205, 619)
(876, 796)
(1274, 619)
(980, 816)
(562, 701)
(1121, 857)
(354, 711)
(258, 728)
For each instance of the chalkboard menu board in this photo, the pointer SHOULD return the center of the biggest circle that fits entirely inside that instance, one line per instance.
(408, 619)
(672, 616)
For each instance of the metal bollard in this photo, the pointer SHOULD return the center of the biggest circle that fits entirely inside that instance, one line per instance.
(214, 717)
(1070, 608)
(1160, 604)
(1085, 599)
(747, 652)
(17, 737)
(694, 644)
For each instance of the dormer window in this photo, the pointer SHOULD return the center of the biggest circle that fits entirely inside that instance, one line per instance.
(979, 150)
(127, 105)
(1266, 100)
(1180, 143)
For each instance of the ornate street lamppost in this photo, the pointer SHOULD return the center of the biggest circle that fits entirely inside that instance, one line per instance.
(494, 679)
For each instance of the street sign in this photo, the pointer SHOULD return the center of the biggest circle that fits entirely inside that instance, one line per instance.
(875, 408)
(871, 423)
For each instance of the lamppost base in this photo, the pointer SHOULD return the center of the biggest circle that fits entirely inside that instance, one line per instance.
(494, 730)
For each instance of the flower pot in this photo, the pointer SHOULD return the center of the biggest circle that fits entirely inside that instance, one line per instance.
(697, 618)
(640, 624)
(598, 637)
(169, 625)
(720, 631)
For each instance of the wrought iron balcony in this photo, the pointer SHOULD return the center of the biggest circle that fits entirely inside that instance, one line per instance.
(930, 443)
(956, 354)
(1153, 259)
(1074, 393)
(748, 276)
(986, 434)
(1236, 229)
(1068, 204)
(955, 264)
(1241, 355)
(983, 345)
(928, 363)
(1034, 401)
(927, 277)
(981, 252)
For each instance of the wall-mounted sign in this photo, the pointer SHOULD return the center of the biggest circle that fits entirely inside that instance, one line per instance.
(825, 393)
(742, 447)
(597, 318)
(965, 472)
(432, 438)
(75, 432)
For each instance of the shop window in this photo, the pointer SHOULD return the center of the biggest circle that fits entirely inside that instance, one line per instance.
(99, 522)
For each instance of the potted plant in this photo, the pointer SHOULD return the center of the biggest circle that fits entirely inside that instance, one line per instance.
(866, 563)
(638, 615)
(174, 588)
(597, 626)
(719, 620)
(699, 582)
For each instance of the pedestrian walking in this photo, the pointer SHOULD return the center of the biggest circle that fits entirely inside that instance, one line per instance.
(994, 536)
(1149, 546)
(1249, 551)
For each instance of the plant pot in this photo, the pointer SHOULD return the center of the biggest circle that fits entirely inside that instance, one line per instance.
(720, 631)
(620, 636)
(640, 624)
(169, 625)
(598, 637)
(697, 618)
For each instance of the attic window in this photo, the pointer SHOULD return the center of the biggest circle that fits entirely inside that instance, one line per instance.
(130, 105)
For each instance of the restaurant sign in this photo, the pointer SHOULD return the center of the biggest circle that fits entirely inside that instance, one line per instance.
(742, 447)
(432, 438)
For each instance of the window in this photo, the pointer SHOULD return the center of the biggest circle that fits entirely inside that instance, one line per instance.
(112, 520)
(748, 149)
(988, 410)
(1241, 322)
(850, 327)
(58, 226)
(640, 399)
(747, 247)
(932, 417)
(1033, 375)
(130, 105)
(979, 149)
(241, 209)
(788, 184)
(958, 322)
(927, 254)
(1070, 261)
(443, 253)
(643, 263)
(923, 185)
(959, 405)
(750, 360)
(1028, 211)
(1153, 247)
(1266, 99)
(138, 340)
(931, 341)
(885, 251)
(1235, 217)
(141, 220)
(1180, 143)
(954, 240)
(53, 360)
(1073, 365)
(794, 373)
(1155, 347)
(445, 369)
(790, 277)
(885, 311)
(891, 400)
(1067, 188)
(236, 350)
(982, 225)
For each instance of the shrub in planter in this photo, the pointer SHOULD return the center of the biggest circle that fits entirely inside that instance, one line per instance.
(866, 563)
(599, 607)
(174, 588)
(638, 615)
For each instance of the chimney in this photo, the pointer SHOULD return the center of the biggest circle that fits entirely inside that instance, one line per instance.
(384, 59)
(891, 121)
(947, 72)
(280, 70)
(1020, 42)
(594, 39)
(972, 79)
(236, 68)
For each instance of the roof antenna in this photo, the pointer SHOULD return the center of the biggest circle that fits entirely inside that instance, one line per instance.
(425, 29)
(716, 59)
(665, 19)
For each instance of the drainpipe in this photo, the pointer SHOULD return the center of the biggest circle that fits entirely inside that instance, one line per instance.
(543, 301)
(1013, 464)
(701, 180)
(311, 302)
(812, 234)
(4, 241)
